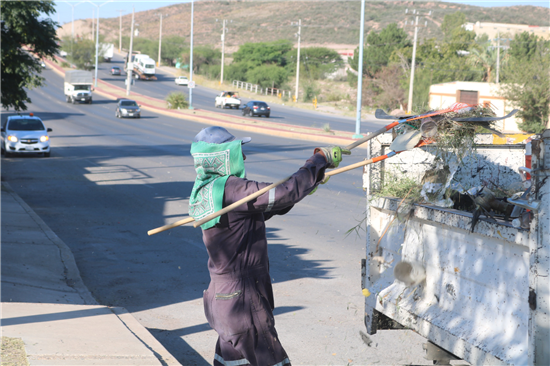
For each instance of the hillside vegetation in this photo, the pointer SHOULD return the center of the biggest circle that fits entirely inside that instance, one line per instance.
(327, 23)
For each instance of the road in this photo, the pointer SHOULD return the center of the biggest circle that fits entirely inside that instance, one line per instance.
(108, 181)
(203, 98)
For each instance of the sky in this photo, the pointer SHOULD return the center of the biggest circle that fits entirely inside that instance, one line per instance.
(110, 9)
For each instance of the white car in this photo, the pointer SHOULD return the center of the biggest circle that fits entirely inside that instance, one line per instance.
(182, 80)
(227, 99)
(24, 135)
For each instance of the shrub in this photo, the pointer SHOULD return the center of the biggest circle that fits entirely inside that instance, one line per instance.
(310, 91)
(65, 64)
(177, 100)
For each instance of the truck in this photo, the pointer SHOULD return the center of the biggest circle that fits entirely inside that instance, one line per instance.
(142, 66)
(78, 86)
(227, 99)
(107, 50)
(477, 288)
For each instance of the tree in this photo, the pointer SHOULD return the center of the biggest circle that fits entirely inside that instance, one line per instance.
(252, 56)
(487, 58)
(26, 39)
(380, 47)
(256, 54)
(451, 22)
(528, 81)
(267, 76)
(83, 54)
(315, 62)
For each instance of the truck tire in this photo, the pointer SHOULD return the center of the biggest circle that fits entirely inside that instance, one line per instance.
(67, 99)
(73, 100)
(90, 102)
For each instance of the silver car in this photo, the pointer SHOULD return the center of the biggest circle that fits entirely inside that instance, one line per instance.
(127, 108)
(24, 135)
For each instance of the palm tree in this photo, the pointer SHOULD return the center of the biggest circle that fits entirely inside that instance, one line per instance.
(487, 58)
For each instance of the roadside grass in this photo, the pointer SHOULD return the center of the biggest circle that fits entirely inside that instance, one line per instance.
(13, 352)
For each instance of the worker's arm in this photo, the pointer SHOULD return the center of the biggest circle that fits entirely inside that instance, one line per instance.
(282, 197)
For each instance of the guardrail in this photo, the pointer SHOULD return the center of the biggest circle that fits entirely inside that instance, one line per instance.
(255, 88)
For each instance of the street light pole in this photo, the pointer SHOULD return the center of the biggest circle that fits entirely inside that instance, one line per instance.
(191, 58)
(72, 23)
(411, 83)
(360, 74)
(298, 57)
(413, 63)
(120, 31)
(223, 50)
(160, 38)
(129, 64)
(97, 37)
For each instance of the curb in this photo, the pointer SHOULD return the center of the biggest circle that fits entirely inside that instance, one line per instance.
(72, 274)
(144, 336)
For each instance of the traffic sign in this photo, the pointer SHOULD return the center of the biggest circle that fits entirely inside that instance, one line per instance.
(191, 85)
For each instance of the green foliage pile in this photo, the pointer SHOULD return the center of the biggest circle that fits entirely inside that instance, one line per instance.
(23, 23)
(177, 100)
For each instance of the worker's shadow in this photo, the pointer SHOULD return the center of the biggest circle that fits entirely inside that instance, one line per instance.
(174, 340)
(287, 262)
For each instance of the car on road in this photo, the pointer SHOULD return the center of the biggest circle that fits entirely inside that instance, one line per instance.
(256, 108)
(115, 70)
(182, 80)
(127, 108)
(228, 99)
(25, 134)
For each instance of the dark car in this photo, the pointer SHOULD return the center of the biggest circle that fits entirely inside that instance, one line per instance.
(115, 70)
(256, 108)
(127, 108)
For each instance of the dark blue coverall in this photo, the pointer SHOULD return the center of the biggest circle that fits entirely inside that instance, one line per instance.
(239, 300)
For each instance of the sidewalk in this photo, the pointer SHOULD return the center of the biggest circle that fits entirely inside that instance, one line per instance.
(46, 304)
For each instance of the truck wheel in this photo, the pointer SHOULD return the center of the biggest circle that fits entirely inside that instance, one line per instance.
(90, 102)
(73, 100)
(67, 99)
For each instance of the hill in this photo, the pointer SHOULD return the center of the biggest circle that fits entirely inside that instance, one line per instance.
(333, 24)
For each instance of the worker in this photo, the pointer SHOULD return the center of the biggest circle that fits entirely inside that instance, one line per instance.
(238, 303)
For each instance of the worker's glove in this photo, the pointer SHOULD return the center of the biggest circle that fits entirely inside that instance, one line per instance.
(333, 154)
(325, 179)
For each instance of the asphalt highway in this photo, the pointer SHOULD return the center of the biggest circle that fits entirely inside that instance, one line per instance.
(203, 98)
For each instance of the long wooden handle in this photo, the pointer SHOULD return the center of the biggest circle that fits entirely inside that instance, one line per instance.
(271, 186)
(170, 226)
(360, 164)
(239, 202)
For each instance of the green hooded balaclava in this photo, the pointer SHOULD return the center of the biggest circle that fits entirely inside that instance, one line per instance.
(214, 163)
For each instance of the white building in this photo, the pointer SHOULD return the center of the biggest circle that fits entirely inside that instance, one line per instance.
(444, 94)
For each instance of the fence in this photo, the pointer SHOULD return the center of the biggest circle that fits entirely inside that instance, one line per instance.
(255, 88)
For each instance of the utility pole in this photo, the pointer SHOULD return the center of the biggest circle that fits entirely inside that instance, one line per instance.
(360, 74)
(223, 49)
(192, 85)
(160, 38)
(413, 63)
(498, 54)
(129, 65)
(120, 31)
(93, 19)
(299, 34)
